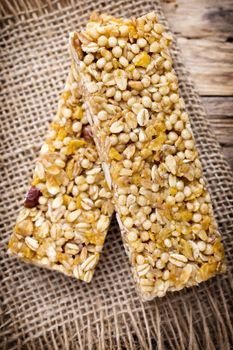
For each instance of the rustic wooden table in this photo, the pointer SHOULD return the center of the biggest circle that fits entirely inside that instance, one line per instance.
(205, 35)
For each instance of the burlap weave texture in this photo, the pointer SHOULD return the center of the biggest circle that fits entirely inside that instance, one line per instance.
(41, 309)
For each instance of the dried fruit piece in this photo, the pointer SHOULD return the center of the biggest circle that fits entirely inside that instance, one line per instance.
(32, 197)
(87, 134)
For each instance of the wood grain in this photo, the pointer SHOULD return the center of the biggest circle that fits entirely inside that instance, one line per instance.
(204, 29)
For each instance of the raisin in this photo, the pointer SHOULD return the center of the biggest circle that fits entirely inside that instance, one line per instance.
(32, 197)
(87, 134)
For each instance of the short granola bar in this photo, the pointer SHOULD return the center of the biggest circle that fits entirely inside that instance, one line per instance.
(68, 208)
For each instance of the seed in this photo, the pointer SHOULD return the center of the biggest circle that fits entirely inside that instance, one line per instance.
(142, 201)
(132, 236)
(101, 63)
(168, 125)
(146, 81)
(158, 28)
(179, 126)
(165, 257)
(102, 40)
(172, 136)
(147, 224)
(154, 47)
(77, 272)
(164, 90)
(187, 191)
(178, 259)
(67, 113)
(77, 127)
(92, 87)
(117, 127)
(201, 246)
(72, 248)
(120, 79)
(112, 41)
(174, 98)
(103, 115)
(173, 119)
(126, 172)
(51, 253)
(136, 85)
(204, 208)
(90, 263)
(88, 59)
(171, 163)
(123, 61)
(32, 243)
(135, 48)
(185, 134)
(72, 206)
(142, 136)
(124, 138)
(124, 30)
(143, 117)
(179, 197)
(118, 96)
(57, 202)
(167, 243)
(180, 185)
(83, 226)
(87, 203)
(142, 270)
(170, 200)
(159, 264)
(85, 163)
(102, 223)
(128, 222)
(197, 217)
(71, 217)
(141, 42)
(189, 144)
(129, 151)
(146, 101)
(166, 275)
(91, 47)
(117, 51)
(40, 170)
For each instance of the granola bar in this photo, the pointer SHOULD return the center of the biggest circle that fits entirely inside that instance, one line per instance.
(145, 142)
(68, 207)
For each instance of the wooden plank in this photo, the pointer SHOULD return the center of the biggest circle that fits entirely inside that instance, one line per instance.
(200, 18)
(228, 153)
(205, 35)
(220, 114)
(210, 65)
(218, 106)
(223, 129)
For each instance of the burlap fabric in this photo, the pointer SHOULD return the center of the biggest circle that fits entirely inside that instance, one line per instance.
(41, 309)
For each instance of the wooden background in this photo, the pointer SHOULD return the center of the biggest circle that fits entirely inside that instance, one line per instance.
(204, 29)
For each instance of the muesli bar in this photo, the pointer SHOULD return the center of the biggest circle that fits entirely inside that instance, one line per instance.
(144, 138)
(68, 207)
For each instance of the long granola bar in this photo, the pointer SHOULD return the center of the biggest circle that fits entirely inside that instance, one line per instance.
(68, 208)
(144, 138)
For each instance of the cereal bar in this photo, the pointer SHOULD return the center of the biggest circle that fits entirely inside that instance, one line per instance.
(144, 139)
(68, 207)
